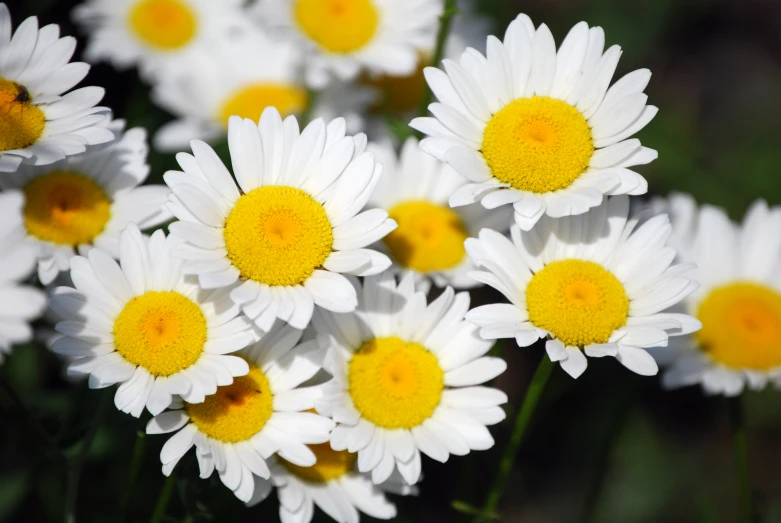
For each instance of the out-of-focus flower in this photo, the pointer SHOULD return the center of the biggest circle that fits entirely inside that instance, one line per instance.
(86, 200)
(537, 128)
(241, 426)
(144, 325)
(406, 378)
(594, 283)
(38, 123)
(429, 239)
(290, 223)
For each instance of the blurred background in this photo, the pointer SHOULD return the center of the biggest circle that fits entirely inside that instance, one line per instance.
(609, 447)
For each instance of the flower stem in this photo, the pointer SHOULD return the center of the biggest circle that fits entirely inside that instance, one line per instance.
(530, 402)
(135, 467)
(162, 500)
(445, 19)
(77, 463)
(738, 421)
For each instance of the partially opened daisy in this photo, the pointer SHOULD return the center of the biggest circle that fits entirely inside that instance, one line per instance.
(345, 37)
(594, 284)
(156, 35)
(241, 426)
(738, 303)
(144, 325)
(86, 200)
(429, 239)
(406, 379)
(537, 128)
(289, 225)
(39, 124)
(19, 304)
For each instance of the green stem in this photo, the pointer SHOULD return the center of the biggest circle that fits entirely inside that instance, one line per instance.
(29, 417)
(77, 464)
(738, 422)
(530, 402)
(162, 500)
(135, 467)
(445, 19)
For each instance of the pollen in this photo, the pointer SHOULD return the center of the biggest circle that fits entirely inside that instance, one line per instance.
(429, 237)
(277, 235)
(394, 383)
(578, 302)
(331, 464)
(538, 144)
(65, 208)
(163, 332)
(237, 411)
(741, 326)
(250, 101)
(338, 26)
(21, 122)
(165, 25)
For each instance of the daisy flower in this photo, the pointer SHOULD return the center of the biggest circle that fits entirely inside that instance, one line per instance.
(593, 284)
(406, 379)
(429, 239)
(38, 123)
(537, 128)
(85, 201)
(144, 325)
(289, 224)
(159, 36)
(19, 304)
(237, 429)
(345, 37)
(738, 303)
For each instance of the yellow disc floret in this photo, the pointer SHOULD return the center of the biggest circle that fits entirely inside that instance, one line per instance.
(237, 411)
(394, 383)
(163, 24)
(429, 237)
(338, 26)
(21, 122)
(278, 235)
(250, 101)
(538, 144)
(331, 464)
(164, 332)
(578, 302)
(65, 208)
(741, 326)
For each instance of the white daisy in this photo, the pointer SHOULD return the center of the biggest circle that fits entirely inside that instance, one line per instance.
(290, 227)
(537, 128)
(345, 37)
(86, 200)
(595, 283)
(144, 325)
(738, 303)
(429, 239)
(260, 415)
(156, 35)
(38, 123)
(19, 304)
(405, 379)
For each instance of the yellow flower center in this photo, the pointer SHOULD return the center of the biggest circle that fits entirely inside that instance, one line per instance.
(250, 101)
(164, 332)
(65, 208)
(578, 302)
(331, 464)
(338, 26)
(277, 235)
(394, 383)
(21, 122)
(538, 144)
(163, 24)
(741, 326)
(237, 411)
(429, 237)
